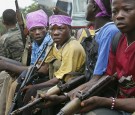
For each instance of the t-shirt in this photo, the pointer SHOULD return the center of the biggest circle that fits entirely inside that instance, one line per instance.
(104, 37)
(124, 64)
(71, 55)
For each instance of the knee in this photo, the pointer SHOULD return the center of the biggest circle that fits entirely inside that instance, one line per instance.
(14, 84)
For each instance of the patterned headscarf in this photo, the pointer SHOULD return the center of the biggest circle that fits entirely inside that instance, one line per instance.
(36, 18)
(103, 11)
(59, 20)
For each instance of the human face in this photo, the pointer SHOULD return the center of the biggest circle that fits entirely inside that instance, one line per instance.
(60, 34)
(90, 11)
(123, 14)
(38, 34)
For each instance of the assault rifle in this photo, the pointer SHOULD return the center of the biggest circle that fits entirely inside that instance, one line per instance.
(24, 34)
(20, 22)
(32, 71)
(59, 88)
(75, 105)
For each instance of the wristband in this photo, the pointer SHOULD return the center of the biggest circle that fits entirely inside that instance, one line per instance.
(113, 103)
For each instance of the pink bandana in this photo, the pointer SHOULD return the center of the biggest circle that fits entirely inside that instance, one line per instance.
(59, 20)
(103, 9)
(36, 18)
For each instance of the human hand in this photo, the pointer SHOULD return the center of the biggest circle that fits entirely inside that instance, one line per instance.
(26, 88)
(72, 94)
(93, 103)
(83, 88)
(35, 109)
(51, 100)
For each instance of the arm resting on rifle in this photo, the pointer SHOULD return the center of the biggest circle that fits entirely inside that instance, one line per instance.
(13, 67)
(4, 65)
(54, 100)
(120, 104)
(51, 96)
(83, 87)
(48, 83)
(10, 60)
(100, 85)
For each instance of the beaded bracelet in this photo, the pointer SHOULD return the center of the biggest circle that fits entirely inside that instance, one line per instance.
(113, 103)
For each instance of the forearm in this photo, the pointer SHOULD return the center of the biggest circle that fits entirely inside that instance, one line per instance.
(14, 68)
(79, 88)
(94, 102)
(90, 83)
(11, 61)
(125, 104)
(48, 83)
(120, 104)
(84, 86)
(44, 69)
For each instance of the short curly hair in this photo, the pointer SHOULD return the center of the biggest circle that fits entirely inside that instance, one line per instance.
(9, 17)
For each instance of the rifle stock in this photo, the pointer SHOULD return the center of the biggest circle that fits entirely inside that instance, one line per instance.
(75, 105)
(59, 88)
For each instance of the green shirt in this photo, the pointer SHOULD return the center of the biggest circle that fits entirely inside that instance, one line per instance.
(11, 45)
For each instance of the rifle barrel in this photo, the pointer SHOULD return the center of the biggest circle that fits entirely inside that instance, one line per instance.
(26, 106)
(29, 76)
(51, 91)
(54, 90)
(75, 105)
(20, 22)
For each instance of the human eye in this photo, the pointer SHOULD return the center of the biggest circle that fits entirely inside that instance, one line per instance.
(32, 30)
(114, 11)
(40, 28)
(60, 28)
(128, 9)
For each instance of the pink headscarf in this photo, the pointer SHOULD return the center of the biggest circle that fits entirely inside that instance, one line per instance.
(36, 18)
(103, 9)
(59, 20)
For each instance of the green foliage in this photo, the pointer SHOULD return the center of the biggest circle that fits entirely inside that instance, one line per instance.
(32, 7)
(48, 11)
(35, 6)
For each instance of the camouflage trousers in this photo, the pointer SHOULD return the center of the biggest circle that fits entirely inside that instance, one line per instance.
(10, 96)
(5, 83)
